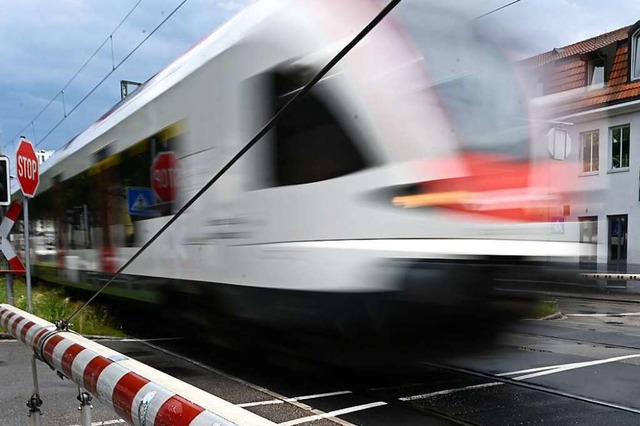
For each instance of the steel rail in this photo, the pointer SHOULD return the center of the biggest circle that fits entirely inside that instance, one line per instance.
(531, 386)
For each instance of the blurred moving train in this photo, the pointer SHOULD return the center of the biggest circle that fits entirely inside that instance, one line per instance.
(380, 212)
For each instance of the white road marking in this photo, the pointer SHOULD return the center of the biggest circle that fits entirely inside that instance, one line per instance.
(623, 314)
(333, 413)
(449, 391)
(552, 369)
(105, 423)
(268, 402)
(524, 374)
(531, 370)
(567, 367)
(297, 398)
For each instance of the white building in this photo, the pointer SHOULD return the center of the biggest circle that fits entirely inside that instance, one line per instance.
(589, 99)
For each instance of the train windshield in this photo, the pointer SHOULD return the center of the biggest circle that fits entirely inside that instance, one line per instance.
(474, 80)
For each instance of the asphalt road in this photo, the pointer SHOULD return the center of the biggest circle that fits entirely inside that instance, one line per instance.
(583, 368)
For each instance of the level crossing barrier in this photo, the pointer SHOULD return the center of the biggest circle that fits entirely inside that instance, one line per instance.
(141, 395)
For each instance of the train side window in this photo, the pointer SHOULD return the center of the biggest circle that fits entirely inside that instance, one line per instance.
(309, 143)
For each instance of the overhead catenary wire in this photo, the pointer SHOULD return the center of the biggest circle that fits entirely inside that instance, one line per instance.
(497, 9)
(115, 68)
(261, 133)
(82, 67)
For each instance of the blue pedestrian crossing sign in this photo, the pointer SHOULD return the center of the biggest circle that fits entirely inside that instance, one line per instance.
(140, 201)
(557, 225)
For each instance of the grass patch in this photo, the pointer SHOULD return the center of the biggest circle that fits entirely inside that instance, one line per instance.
(53, 304)
(544, 309)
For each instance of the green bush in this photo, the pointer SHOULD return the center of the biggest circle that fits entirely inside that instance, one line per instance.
(545, 308)
(53, 304)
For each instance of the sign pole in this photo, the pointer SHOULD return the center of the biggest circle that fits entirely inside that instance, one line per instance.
(28, 174)
(9, 285)
(27, 253)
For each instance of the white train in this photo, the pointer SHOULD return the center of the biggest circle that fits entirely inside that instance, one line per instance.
(389, 200)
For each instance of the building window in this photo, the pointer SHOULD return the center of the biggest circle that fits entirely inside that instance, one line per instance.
(590, 151)
(619, 137)
(635, 56)
(596, 74)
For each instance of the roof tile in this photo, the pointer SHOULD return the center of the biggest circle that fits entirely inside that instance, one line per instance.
(568, 70)
(581, 47)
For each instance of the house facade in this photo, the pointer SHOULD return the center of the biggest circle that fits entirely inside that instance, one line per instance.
(587, 99)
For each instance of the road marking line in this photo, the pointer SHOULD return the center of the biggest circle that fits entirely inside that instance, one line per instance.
(333, 413)
(297, 398)
(531, 370)
(542, 371)
(105, 423)
(623, 314)
(526, 374)
(449, 391)
(254, 404)
(574, 366)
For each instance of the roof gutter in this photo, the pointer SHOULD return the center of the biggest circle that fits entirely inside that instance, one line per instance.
(602, 112)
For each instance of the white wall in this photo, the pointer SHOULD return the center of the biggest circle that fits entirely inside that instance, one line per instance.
(605, 192)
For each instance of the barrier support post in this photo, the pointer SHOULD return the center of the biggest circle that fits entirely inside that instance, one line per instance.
(9, 285)
(27, 253)
(34, 402)
(85, 407)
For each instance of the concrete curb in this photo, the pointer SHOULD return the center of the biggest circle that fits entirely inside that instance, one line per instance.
(557, 315)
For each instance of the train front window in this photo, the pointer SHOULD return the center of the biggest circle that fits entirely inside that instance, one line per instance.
(310, 144)
(475, 82)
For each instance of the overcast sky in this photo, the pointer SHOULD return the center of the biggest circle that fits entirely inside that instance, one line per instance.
(45, 42)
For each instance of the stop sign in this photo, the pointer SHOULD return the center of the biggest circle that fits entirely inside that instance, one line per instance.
(163, 176)
(27, 168)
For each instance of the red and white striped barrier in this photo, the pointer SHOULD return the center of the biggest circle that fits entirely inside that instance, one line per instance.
(141, 395)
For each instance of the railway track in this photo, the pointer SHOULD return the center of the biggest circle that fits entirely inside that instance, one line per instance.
(493, 380)
(573, 340)
(430, 400)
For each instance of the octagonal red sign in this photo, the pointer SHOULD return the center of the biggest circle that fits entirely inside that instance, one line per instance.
(27, 168)
(163, 176)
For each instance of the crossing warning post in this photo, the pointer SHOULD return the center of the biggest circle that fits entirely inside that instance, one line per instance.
(29, 177)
